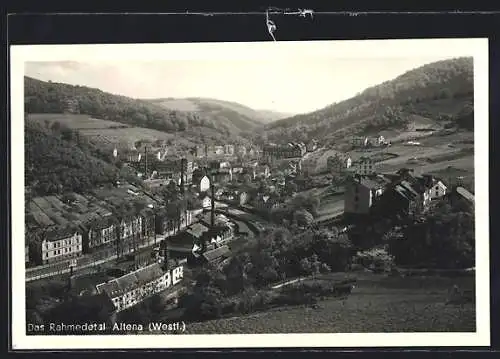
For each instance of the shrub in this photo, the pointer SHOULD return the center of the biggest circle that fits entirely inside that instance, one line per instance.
(376, 259)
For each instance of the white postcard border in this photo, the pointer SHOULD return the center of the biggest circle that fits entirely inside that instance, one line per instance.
(477, 48)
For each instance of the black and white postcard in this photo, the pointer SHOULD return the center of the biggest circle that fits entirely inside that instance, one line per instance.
(265, 194)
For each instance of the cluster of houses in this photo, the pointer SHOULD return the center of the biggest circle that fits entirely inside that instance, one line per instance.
(59, 228)
(226, 150)
(401, 193)
(342, 163)
(199, 241)
(62, 227)
(274, 151)
(377, 141)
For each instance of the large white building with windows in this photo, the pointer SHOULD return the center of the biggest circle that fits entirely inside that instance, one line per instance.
(58, 244)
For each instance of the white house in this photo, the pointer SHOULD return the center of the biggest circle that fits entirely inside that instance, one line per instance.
(60, 244)
(206, 202)
(204, 184)
(438, 190)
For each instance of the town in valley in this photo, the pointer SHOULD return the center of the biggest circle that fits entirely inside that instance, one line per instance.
(204, 216)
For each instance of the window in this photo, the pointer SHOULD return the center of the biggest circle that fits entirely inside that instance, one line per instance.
(356, 198)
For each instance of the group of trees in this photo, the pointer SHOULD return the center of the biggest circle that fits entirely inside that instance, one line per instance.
(268, 259)
(444, 238)
(408, 94)
(301, 211)
(58, 160)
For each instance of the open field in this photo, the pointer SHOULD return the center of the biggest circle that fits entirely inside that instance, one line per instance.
(435, 154)
(75, 122)
(107, 132)
(126, 135)
(377, 304)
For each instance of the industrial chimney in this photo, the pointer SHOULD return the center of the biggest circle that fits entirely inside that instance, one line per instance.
(212, 195)
(183, 168)
(145, 161)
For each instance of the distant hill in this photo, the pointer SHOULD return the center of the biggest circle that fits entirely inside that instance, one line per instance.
(273, 115)
(211, 124)
(230, 113)
(437, 94)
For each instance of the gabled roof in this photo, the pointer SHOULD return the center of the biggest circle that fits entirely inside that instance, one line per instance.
(410, 188)
(217, 253)
(373, 182)
(58, 233)
(131, 281)
(465, 194)
(197, 230)
(405, 192)
(101, 223)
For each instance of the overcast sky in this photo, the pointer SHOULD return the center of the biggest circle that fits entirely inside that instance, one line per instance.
(292, 86)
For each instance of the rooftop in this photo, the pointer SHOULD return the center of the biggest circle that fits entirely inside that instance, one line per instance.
(197, 230)
(374, 182)
(53, 210)
(217, 253)
(58, 232)
(127, 193)
(466, 194)
(130, 281)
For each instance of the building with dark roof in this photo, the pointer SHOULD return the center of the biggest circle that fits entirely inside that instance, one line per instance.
(362, 191)
(173, 168)
(217, 255)
(267, 202)
(272, 152)
(100, 232)
(404, 197)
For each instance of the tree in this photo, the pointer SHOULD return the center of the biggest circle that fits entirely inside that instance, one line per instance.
(443, 239)
(303, 218)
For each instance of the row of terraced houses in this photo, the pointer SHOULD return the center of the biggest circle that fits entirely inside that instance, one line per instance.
(62, 227)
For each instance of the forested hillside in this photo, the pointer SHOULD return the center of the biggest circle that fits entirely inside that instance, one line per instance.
(58, 160)
(48, 97)
(440, 91)
(232, 114)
